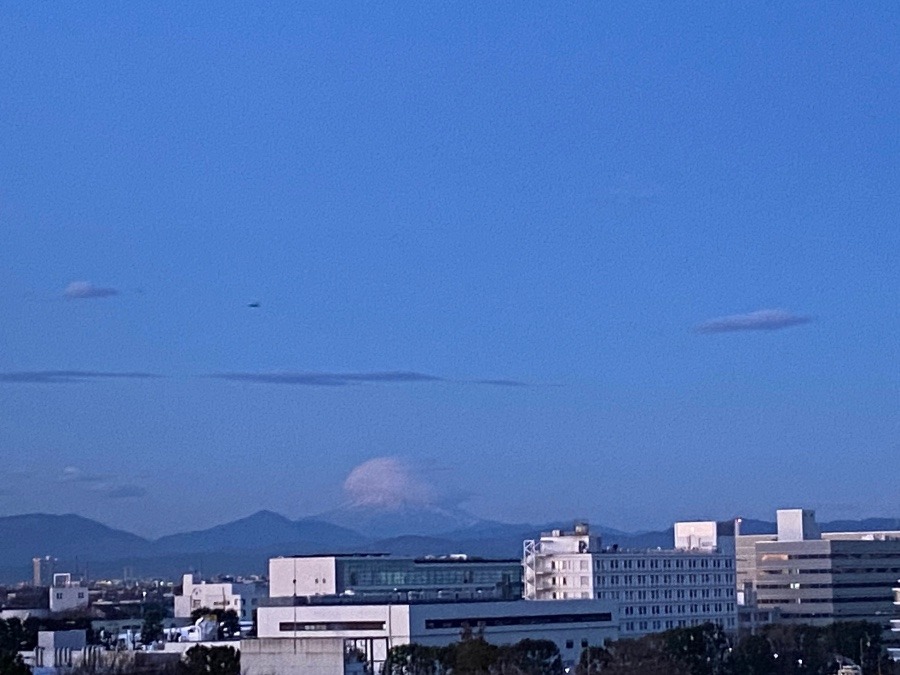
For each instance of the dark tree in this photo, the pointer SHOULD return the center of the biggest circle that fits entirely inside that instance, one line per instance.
(152, 626)
(11, 664)
(414, 659)
(531, 657)
(200, 613)
(229, 624)
(202, 660)
(12, 635)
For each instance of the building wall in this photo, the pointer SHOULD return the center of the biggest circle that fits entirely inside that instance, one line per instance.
(67, 598)
(310, 656)
(582, 623)
(375, 628)
(696, 535)
(314, 575)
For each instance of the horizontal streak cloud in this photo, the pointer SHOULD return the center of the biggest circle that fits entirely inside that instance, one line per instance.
(83, 290)
(325, 379)
(764, 319)
(68, 376)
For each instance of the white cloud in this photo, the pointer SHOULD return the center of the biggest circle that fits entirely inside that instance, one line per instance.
(764, 319)
(80, 290)
(387, 482)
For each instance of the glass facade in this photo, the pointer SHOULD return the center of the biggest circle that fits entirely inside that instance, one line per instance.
(379, 575)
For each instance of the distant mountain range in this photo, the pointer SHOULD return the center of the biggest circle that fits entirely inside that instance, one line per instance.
(243, 546)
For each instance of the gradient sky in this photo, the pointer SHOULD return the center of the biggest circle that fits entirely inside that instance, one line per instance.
(555, 194)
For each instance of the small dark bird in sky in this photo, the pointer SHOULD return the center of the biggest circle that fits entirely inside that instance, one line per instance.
(254, 305)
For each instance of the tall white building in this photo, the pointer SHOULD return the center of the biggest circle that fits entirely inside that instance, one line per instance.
(243, 598)
(657, 589)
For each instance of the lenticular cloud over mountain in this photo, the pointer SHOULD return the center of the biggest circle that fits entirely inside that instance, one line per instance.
(387, 483)
(388, 496)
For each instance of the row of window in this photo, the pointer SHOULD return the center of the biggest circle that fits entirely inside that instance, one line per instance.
(797, 585)
(644, 579)
(829, 600)
(706, 608)
(658, 625)
(831, 570)
(617, 563)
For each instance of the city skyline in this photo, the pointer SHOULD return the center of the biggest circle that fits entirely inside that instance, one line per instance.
(633, 264)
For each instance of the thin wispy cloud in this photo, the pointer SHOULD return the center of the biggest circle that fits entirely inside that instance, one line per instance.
(329, 379)
(84, 290)
(764, 319)
(501, 383)
(73, 474)
(123, 491)
(105, 485)
(68, 376)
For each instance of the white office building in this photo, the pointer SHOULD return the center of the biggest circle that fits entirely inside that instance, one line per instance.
(817, 578)
(336, 635)
(453, 577)
(242, 597)
(657, 589)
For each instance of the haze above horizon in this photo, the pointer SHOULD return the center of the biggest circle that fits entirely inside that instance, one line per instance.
(632, 263)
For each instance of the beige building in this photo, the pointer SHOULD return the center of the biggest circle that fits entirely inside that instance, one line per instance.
(817, 578)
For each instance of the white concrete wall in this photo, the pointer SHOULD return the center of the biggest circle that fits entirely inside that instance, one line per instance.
(314, 575)
(65, 598)
(310, 656)
(701, 534)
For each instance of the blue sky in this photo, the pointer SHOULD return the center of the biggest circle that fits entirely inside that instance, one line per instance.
(555, 195)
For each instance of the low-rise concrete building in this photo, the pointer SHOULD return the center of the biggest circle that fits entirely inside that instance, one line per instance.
(67, 595)
(334, 635)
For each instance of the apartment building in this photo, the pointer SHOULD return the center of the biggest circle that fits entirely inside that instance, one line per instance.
(657, 589)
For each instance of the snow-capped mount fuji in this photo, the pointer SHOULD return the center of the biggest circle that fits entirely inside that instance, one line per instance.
(404, 518)
(387, 498)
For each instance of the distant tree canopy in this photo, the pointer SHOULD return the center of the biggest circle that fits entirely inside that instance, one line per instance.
(698, 650)
(775, 650)
(473, 655)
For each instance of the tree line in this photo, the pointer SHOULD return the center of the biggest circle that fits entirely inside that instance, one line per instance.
(700, 650)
